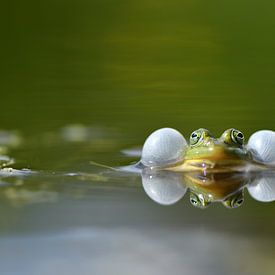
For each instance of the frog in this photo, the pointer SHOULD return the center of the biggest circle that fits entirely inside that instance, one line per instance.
(224, 154)
(212, 169)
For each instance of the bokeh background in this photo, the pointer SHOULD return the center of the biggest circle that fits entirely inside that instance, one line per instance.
(116, 71)
(138, 65)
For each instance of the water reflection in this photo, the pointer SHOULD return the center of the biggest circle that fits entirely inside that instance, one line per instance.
(263, 188)
(164, 188)
(206, 188)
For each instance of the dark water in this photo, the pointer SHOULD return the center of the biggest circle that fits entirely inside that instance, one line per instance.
(119, 70)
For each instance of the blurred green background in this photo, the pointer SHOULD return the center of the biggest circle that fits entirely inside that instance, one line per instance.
(139, 65)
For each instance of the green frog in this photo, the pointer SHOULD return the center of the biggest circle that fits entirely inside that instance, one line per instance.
(224, 154)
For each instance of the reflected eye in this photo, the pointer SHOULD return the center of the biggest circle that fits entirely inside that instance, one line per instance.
(237, 137)
(195, 137)
(199, 201)
(234, 201)
(238, 202)
(194, 201)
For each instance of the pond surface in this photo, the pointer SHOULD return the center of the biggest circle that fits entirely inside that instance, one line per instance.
(81, 82)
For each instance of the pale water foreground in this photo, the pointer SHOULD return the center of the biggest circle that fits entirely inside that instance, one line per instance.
(88, 219)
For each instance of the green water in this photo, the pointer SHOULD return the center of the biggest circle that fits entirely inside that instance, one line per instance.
(123, 69)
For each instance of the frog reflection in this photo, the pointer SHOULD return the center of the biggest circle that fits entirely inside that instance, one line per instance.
(199, 200)
(205, 189)
(233, 201)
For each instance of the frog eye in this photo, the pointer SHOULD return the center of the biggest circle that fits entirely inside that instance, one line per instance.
(195, 137)
(237, 137)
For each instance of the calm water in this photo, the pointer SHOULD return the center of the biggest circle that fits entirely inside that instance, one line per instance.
(82, 81)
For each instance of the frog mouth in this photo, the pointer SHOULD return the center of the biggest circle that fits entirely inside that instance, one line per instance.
(214, 157)
(203, 164)
(213, 165)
